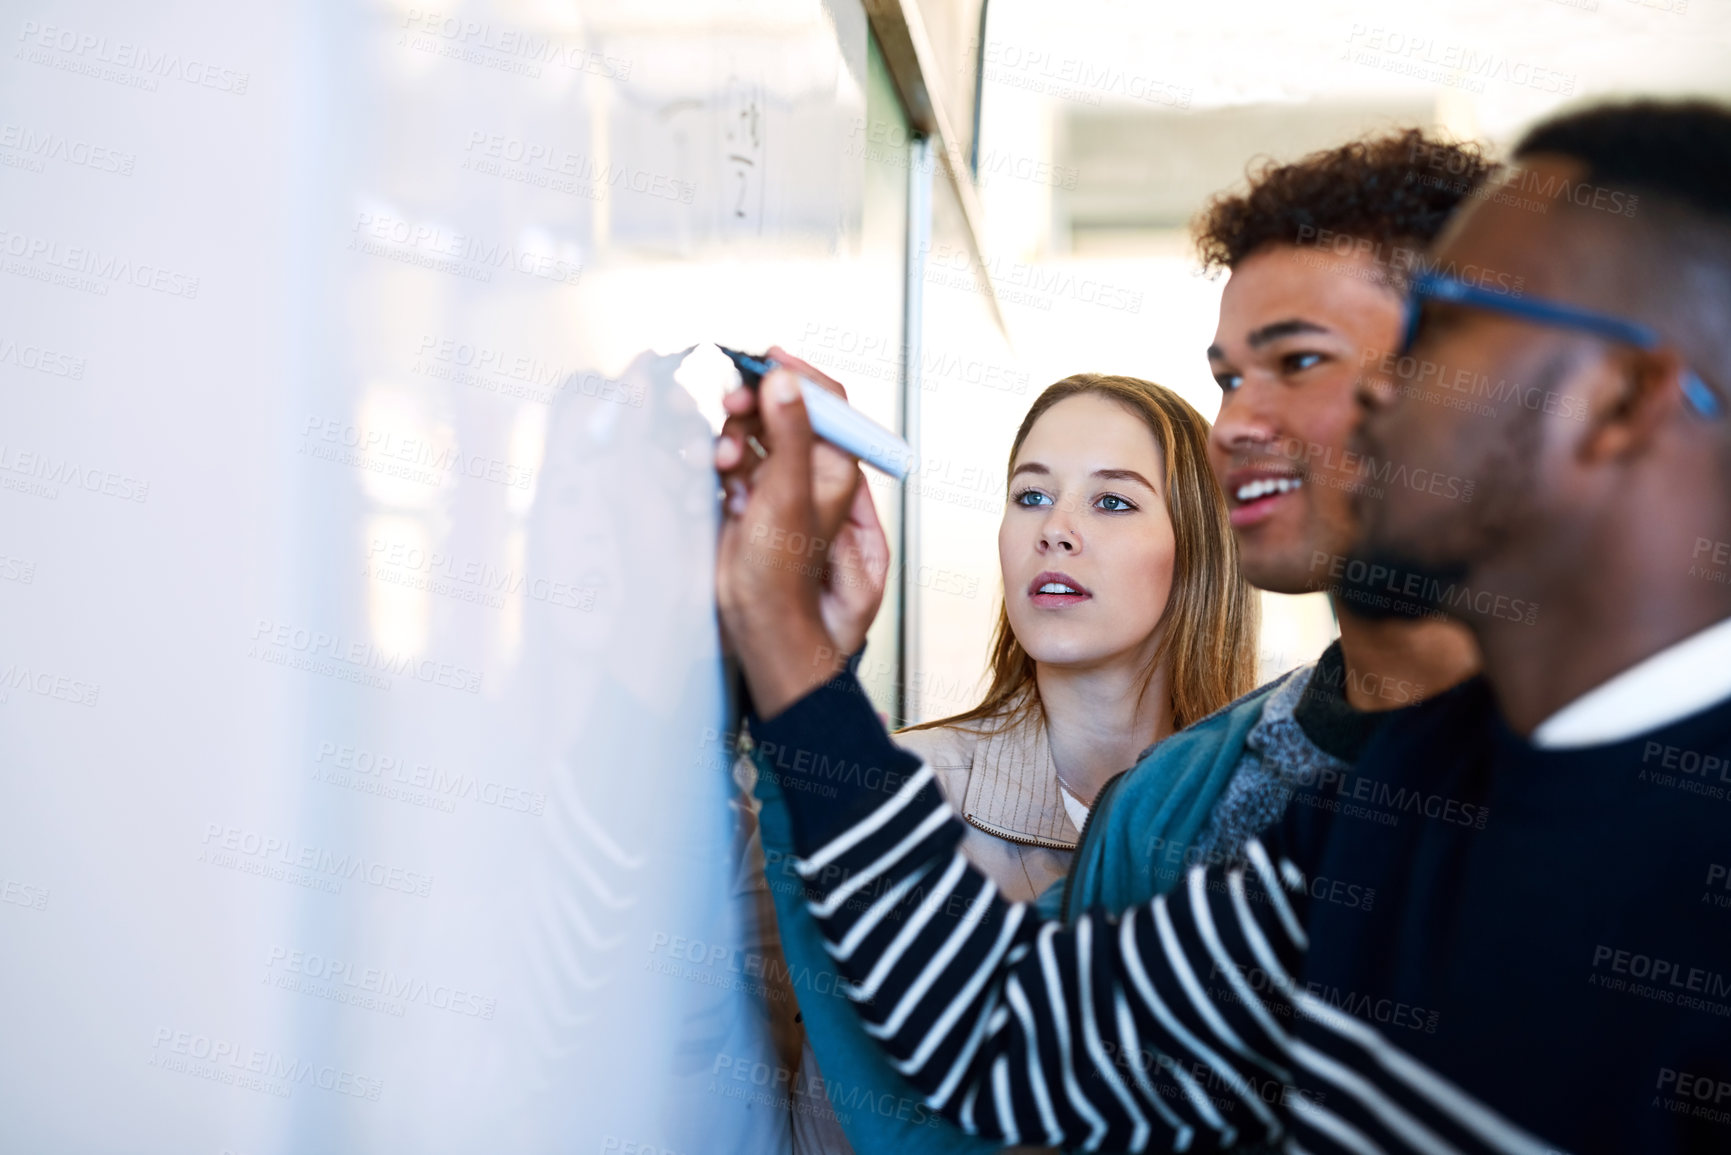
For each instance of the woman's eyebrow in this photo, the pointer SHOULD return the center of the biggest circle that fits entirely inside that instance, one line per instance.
(1106, 474)
(1125, 475)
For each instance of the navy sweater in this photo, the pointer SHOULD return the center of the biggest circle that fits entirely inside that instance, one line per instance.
(1465, 944)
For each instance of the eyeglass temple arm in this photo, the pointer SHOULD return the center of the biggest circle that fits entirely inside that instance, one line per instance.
(1695, 390)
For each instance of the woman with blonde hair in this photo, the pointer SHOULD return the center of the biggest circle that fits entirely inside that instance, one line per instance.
(1124, 618)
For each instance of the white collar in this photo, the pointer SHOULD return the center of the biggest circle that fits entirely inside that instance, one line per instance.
(1073, 807)
(1679, 680)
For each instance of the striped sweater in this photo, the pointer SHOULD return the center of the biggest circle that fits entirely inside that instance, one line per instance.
(1211, 1017)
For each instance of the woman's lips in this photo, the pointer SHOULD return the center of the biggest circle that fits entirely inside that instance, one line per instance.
(1058, 601)
(1053, 600)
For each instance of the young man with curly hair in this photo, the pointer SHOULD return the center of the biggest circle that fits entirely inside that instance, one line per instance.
(1318, 252)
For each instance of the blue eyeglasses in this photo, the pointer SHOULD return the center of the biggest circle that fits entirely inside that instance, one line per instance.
(1438, 287)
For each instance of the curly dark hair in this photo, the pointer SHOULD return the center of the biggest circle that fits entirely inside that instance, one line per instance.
(1395, 189)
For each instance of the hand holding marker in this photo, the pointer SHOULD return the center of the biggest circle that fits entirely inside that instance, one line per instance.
(835, 420)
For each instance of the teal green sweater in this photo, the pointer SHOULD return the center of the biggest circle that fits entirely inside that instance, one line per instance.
(1133, 848)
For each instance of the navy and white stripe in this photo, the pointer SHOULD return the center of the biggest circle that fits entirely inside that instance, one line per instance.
(1139, 1032)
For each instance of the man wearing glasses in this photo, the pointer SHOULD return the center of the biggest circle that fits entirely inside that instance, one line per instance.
(1545, 964)
(1315, 249)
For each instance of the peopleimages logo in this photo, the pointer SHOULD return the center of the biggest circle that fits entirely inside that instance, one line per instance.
(401, 563)
(449, 251)
(374, 766)
(1454, 64)
(41, 360)
(515, 374)
(341, 980)
(54, 472)
(224, 843)
(103, 268)
(555, 161)
(856, 354)
(1402, 261)
(1384, 802)
(225, 1061)
(1355, 579)
(41, 146)
(417, 458)
(1660, 970)
(515, 43)
(87, 51)
(361, 656)
(1020, 282)
(48, 685)
(1072, 77)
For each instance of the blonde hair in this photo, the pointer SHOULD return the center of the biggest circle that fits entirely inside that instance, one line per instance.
(1209, 628)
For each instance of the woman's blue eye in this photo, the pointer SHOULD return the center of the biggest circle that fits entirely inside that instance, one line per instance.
(1298, 362)
(1123, 504)
(1228, 381)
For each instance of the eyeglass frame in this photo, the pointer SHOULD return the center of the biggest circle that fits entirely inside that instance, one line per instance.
(1454, 291)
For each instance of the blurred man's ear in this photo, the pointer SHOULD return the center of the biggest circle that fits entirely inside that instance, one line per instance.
(1635, 395)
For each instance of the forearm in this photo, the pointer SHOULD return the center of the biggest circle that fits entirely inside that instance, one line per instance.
(784, 659)
(1010, 1026)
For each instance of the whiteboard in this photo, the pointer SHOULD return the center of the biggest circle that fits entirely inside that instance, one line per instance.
(360, 705)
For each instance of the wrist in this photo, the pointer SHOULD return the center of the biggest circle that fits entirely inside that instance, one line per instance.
(784, 663)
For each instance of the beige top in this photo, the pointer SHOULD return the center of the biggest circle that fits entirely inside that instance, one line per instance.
(1005, 786)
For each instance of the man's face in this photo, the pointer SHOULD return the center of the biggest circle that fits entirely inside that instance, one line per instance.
(1496, 403)
(1297, 328)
